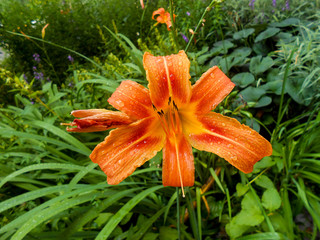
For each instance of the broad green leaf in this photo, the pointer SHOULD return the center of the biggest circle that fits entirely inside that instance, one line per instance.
(168, 233)
(250, 215)
(243, 79)
(221, 47)
(264, 101)
(260, 65)
(263, 163)
(235, 230)
(271, 199)
(264, 181)
(287, 22)
(251, 94)
(243, 33)
(241, 189)
(267, 34)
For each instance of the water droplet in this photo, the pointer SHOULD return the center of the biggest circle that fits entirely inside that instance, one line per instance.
(171, 75)
(211, 143)
(120, 103)
(169, 64)
(144, 141)
(212, 75)
(223, 124)
(219, 142)
(180, 63)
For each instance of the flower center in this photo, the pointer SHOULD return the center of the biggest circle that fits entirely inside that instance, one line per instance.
(171, 124)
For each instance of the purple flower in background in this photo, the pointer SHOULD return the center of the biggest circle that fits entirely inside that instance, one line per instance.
(274, 3)
(25, 78)
(185, 38)
(38, 75)
(36, 57)
(287, 5)
(32, 102)
(48, 79)
(188, 13)
(70, 58)
(34, 68)
(251, 4)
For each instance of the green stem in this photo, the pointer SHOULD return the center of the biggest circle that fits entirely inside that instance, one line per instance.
(199, 24)
(173, 26)
(285, 77)
(178, 214)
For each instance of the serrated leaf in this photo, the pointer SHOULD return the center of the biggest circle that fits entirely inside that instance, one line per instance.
(243, 33)
(267, 34)
(243, 79)
(259, 64)
(264, 181)
(271, 199)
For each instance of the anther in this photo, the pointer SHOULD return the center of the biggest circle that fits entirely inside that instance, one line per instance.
(169, 101)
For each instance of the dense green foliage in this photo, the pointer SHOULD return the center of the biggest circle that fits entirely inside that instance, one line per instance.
(49, 188)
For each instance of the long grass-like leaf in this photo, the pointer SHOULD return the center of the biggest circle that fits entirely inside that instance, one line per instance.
(265, 236)
(148, 224)
(54, 209)
(115, 220)
(62, 134)
(41, 166)
(8, 133)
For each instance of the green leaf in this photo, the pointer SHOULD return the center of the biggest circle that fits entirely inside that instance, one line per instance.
(251, 94)
(287, 22)
(116, 219)
(271, 199)
(259, 64)
(267, 34)
(221, 47)
(168, 233)
(243, 33)
(264, 101)
(263, 163)
(241, 189)
(264, 181)
(243, 79)
(265, 236)
(250, 215)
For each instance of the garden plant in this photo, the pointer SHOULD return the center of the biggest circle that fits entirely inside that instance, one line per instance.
(153, 119)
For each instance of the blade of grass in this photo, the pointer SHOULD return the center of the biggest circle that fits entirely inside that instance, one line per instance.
(193, 218)
(198, 200)
(115, 220)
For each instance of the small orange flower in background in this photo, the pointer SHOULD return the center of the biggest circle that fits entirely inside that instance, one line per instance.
(164, 17)
(173, 116)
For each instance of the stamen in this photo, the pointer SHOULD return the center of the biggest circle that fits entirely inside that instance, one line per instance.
(178, 162)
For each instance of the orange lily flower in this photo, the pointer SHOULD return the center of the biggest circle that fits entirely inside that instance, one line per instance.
(173, 116)
(164, 17)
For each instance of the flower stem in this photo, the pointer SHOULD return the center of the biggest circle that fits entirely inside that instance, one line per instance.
(199, 24)
(173, 26)
(285, 77)
(178, 213)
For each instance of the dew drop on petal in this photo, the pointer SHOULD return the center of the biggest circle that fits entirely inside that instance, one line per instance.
(223, 124)
(212, 75)
(180, 63)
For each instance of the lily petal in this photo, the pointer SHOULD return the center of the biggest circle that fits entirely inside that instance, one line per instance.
(174, 167)
(168, 76)
(210, 90)
(127, 148)
(132, 99)
(235, 142)
(95, 120)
